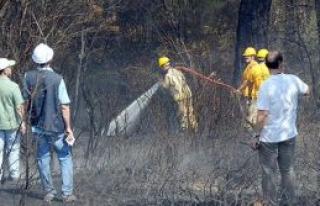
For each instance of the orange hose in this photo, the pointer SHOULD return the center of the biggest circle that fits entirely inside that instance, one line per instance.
(212, 81)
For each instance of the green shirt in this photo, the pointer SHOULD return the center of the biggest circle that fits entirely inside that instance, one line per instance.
(10, 99)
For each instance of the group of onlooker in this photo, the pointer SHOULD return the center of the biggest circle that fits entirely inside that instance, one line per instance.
(44, 96)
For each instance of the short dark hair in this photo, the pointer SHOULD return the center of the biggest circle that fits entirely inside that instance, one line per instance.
(45, 64)
(274, 59)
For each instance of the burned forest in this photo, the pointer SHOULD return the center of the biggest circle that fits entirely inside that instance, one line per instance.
(130, 149)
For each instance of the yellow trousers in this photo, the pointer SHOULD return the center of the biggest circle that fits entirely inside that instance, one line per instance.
(251, 113)
(186, 114)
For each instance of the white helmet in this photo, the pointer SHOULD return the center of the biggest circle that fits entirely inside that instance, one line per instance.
(42, 54)
(5, 63)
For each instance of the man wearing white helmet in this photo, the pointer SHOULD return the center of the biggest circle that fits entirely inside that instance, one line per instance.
(11, 116)
(50, 121)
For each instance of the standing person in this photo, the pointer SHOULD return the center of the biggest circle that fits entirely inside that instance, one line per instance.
(259, 72)
(276, 129)
(11, 120)
(247, 89)
(175, 82)
(50, 121)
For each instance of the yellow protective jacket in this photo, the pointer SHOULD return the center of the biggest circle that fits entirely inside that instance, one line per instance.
(246, 75)
(259, 73)
(176, 83)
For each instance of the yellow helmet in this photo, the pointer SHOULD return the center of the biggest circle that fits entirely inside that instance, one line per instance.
(250, 51)
(262, 53)
(163, 60)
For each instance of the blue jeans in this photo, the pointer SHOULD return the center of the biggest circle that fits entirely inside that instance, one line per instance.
(273, 156)
(10, 143)
(47, 142)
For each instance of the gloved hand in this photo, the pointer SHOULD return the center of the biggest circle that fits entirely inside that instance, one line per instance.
(177, 97)
(238, 92)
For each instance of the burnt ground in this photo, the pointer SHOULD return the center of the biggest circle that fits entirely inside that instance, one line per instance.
(172, 169)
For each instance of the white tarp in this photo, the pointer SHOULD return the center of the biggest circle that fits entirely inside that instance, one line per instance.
(126, 121)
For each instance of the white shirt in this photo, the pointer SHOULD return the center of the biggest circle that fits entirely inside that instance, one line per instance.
(279, 96)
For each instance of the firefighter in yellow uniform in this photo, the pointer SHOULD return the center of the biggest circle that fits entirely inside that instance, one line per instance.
(260, 72)
(247, 89)
(175, 82)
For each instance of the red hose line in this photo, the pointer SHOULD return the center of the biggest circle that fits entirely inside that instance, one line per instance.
(212, 81)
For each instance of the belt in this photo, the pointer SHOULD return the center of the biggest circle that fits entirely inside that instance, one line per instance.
(250, 98)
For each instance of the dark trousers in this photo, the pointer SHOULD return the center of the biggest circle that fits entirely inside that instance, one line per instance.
(273, 156)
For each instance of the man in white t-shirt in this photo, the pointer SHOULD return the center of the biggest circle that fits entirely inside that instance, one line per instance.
(276, 129)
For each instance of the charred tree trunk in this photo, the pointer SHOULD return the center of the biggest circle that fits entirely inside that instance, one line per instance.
(252, 29)
(315, 71)
(317, 6)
